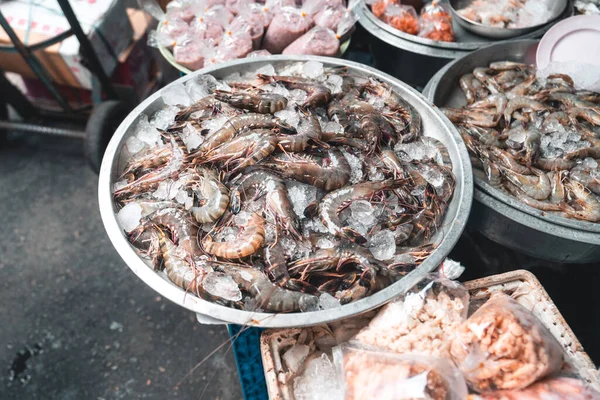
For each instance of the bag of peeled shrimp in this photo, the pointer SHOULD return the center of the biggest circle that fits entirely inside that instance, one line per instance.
(373, 374)
(436, 22)
(548, 389)
(503, 346)
(403, 18)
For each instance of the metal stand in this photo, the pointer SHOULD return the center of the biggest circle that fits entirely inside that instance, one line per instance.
(106, 116)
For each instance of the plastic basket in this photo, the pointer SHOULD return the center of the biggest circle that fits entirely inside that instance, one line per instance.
(246, 349)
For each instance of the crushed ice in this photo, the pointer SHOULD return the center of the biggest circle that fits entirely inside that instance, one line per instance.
(383, 245)
(129, 216)
(301, 195)
(319, 381)
(223, 286)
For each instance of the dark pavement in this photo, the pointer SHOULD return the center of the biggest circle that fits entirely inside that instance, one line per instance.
(75, 322)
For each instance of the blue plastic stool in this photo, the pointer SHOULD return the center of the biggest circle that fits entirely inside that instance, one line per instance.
(246, 349)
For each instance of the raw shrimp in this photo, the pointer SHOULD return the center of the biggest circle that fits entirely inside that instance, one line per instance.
(237, 124)
(268, 296)
(263, 103)
(520, 102)
(329, 172)
(586, 179)
(309, 131)
(538, 186)
(589, 203)
(248, 241)
(179, 223)
(318, 94)
(215, 194)
(333, 203)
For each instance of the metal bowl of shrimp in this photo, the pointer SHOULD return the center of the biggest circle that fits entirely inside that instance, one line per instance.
(568, 212)
(458, 7)
(434, 128)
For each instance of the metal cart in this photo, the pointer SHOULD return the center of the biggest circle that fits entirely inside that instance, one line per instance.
(100, 119)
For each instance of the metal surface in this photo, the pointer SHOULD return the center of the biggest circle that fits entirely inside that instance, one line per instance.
(531, 235)
(397, 53)
(558, 8)
(434, 124)
(45, 130)
(533, 296)
(444, 91)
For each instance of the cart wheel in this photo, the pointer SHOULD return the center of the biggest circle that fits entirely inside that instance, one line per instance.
(3, 117)
(105, 119)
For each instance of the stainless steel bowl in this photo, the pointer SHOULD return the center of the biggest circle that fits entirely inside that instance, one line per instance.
(558, 7)
(397, 52)
(444, 91)
(434, 124)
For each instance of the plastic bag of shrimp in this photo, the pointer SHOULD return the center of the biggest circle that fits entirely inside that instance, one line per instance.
(286, 27)
(503, 346)
(371, 373)
(436, 22)
(423, 321)
(549, 389)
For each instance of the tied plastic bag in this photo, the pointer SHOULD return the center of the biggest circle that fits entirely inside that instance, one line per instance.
(207, 26)
(503, 346)
(253, 26)
(403, 18)
(238, 43)
(378, 7)
(175, 28)
(330, 17)
(191, 53)
(436, 22)
(422, 322)
(259, 12)
(286, 27)
(258, 53)
(184, 11)
(160, 39)
(235, 6)
(372, 374)
(318, 41)
(549, 389)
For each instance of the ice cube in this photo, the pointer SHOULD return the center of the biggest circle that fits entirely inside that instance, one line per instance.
(356, 173)
(145, 132)
(309, 303)
(334, 83)
(189, 203)
(432, 175)
(221, 85)
(166, 190)
(165, 117)
(119, 185)
(294, 357)
(301, 195)
(415, 151)
(227, 234)
(320, 381)
(376, 101)
(585, 76)
(363, 211)
(134, 145)
(314, 225)
(375, 174)
(280, 90)
(327, 301)
(517, 136)
(129, 216)
(242, 218)
(589, 163)
(291, 69)
(333, 127)
(181, 196)
(214, 124)
(176, 95)
(297, 96)
(200, 87)
(383, 245)
(191, 137)
(222, 286)
(312, 69)
(290, 117)
(266, 70)
(325, 243)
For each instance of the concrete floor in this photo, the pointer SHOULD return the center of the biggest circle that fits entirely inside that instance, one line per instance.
(75, 322)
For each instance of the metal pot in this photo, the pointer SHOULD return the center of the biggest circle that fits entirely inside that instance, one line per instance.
(414, 59)
(434, 124)
(579, 240)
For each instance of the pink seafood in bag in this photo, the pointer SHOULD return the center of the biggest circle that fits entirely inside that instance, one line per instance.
(217, 55)
(436, 22)
(286, 27)
(258, 53)
(258, 12)
(219, 14)
(548, 389)
(373, 374)
(160, 39)
(503, 346)
(330, 17)
(314, 6)
(176, 9)
(404, 18)
(203, 29)
(318, 41)
(190, 54)
(253, 26)
(236, 5)
(238, 43)
(175, 28)
(210, 3)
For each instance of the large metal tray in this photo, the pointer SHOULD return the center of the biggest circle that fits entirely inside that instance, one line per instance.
(444, 91)
(434, 124)
(528, 291)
